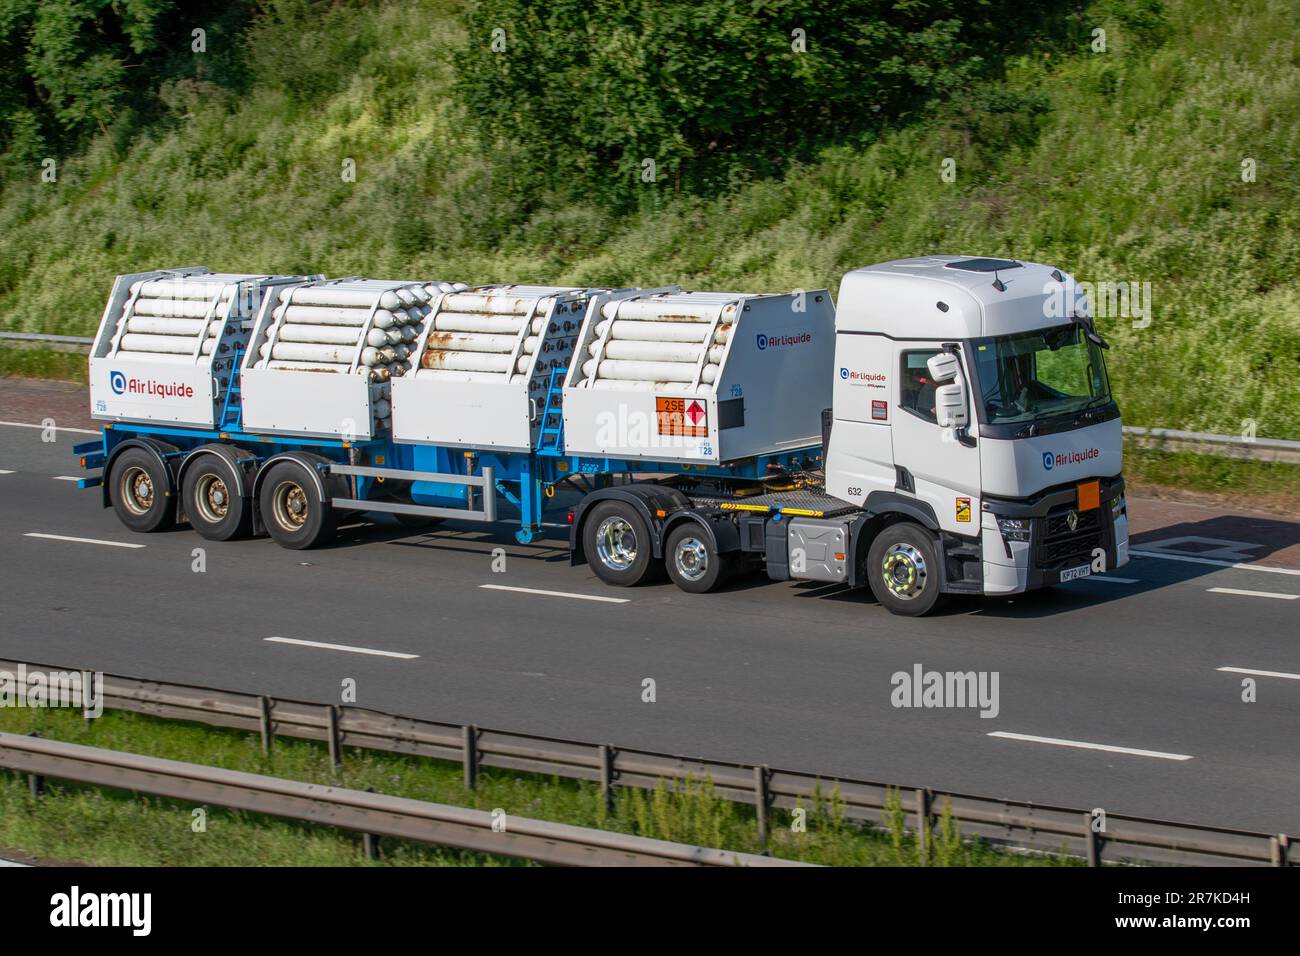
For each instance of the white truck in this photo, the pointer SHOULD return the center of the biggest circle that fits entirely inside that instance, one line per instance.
(950, 430)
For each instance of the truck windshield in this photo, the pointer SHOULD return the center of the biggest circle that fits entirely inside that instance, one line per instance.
(1039, 374)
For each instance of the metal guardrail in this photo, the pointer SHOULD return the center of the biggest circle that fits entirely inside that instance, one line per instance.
(1229, 446)
(79, 340)
(1019, 824)
(369, 813)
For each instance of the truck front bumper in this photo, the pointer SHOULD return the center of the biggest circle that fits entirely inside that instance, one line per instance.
(1060, 548)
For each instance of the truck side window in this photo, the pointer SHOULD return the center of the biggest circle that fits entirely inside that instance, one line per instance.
(915, 387)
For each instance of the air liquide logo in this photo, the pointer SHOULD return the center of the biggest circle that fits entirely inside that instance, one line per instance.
(782, 341)
(1051, 460)
(121, 385)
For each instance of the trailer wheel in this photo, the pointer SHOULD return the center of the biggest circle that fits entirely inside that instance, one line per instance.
(138, 489)
(212, 501)
(693, 562)
(617, 544)
(292, 509)
(903, 568)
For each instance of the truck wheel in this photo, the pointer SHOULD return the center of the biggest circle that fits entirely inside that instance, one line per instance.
(903, 568)
(138, 488)
(617, 544)
(212, 501)
(292, 510)
(693, 562)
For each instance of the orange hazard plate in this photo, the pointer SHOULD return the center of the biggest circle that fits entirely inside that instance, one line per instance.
(682, 416)
(1089, 495)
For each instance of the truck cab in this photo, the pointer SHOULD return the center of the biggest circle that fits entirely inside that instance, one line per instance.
(973, 423)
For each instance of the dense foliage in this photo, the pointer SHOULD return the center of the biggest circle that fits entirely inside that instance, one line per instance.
(69, 68)
(1126, 164)
(586, 93)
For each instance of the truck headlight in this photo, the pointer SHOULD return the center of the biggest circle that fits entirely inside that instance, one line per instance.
(1013, 529)
(1117, 507)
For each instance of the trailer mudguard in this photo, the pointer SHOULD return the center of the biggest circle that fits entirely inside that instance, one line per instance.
(648, 499)
(718, 527)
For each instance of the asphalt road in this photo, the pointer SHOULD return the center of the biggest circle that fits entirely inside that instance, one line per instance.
(792, 675)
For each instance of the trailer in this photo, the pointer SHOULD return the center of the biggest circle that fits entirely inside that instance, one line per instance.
(697, 434)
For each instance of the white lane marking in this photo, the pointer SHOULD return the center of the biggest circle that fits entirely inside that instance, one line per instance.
(342, 647)
(1084, 745)
(564, 594)
(66, 478)
(5, 471)
(1255, 673)
(1109, 579)
(1267, 594)
(64, 537)
(1218, 564)
(57, 428)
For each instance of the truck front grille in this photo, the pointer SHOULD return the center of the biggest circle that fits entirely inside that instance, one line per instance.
(1060, 546)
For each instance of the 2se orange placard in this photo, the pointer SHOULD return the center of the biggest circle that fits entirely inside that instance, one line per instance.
(1089, 495)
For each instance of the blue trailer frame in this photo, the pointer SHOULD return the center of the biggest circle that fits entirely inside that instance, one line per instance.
(527, 480)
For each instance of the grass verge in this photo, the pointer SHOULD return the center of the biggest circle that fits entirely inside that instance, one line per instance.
(1258, 485)
(105, 827)
(38, 361)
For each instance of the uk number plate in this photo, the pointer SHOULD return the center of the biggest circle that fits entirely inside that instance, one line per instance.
(1071, 574)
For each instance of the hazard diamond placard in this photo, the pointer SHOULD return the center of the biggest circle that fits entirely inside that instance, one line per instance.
(682, 416)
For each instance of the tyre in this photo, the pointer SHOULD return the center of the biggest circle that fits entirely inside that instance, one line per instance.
(617, 544)
(693, 562)
(140, 490)
(213, 504)
(903, 568)
(292, 509)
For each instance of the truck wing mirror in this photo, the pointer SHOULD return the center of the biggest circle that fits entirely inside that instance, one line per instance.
(950, 405)
(943, 366)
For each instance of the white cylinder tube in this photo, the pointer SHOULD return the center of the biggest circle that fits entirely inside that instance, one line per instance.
(659, 311)
(452, 342)
(159, 326)
(181, 289)
(177, 308)
(318, 334)
(479, 322)
(139, 342)
(339, 367)
(303, 352)
(492, 304)
(462, 361)
(321, 315)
